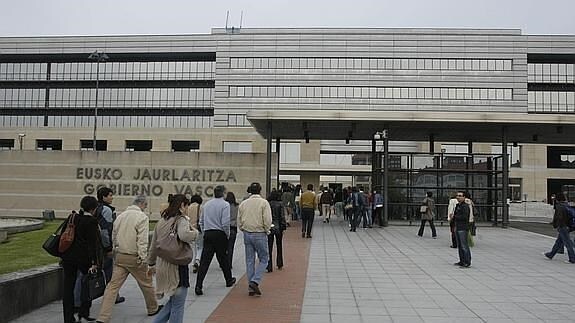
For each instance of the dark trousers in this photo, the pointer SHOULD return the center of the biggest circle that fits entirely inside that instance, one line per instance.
(278, 236)
(452, 230)
(355, 217)
(231, 245)
(215, 241)
(379, 215)
(307, 215)
(563, 240)
(422, 227)
(70, 273)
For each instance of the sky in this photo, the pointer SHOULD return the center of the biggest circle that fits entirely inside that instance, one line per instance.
(129, 17)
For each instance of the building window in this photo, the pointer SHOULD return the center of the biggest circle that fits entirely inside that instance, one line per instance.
(237, 146)
(88, 144)
(335, 159)
(48, 144)
(6, 144)
(515, 189)
(289, 152)
(454, 149)
(138, 145)
(185, 145)
(514, 153)
(560, 157)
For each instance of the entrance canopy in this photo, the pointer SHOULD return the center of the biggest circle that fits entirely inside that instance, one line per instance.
(416, 126)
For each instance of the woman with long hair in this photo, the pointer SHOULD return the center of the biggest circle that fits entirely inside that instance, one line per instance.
(279, 225)
(172, 280)
(85, 254)
(194, 214)
(231, 198)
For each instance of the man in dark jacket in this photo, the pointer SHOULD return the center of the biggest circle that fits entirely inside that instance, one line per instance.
(461, 218)
(561, 223)
(276, 233)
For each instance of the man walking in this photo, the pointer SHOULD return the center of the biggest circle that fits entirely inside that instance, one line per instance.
(357, 208)
(106, 215)
(461, 218)
(561, 223)
(130, 242)
(215, 224)
(308, 205)
(255, 220)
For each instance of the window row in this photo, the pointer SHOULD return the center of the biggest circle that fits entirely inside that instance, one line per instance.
(23, 71)
(546, 102)
(551, 73)
(194, 122)
(109, 97)
(372, 63)
(348, 92)
(561, 157)
(109, 71)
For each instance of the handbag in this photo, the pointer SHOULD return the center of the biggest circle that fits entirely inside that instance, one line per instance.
(172, 249)
(423, 209)
(51, 245)
(93, 286)
(348, 206)
(67, 237)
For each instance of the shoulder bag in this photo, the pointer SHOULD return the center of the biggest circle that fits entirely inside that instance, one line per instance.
(173, 250)
(51, 245)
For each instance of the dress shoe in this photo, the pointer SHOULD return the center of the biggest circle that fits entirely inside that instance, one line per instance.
(198, 291)
(231, 282)
(308, 236)
(458, 264)
(120, 299)
(195, 268)
(303, 234)
(157, 311)
(269, 270)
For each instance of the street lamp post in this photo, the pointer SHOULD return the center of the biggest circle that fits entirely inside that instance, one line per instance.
(98, 57)
(21, 139)
(383, 135)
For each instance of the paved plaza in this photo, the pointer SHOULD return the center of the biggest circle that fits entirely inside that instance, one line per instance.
(384, 275)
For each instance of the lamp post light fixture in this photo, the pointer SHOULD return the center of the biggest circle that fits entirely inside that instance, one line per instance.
(98, 57)
(21, 139)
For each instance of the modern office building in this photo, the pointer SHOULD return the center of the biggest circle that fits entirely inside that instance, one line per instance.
(325, 92)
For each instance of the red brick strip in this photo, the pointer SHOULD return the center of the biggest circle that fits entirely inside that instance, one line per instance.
(282, 291)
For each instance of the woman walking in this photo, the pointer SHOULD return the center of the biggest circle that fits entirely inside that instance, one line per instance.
(85, 254)
(194, 214)
(231, 198)
(172, 280)
(427, 210)
(278, 227)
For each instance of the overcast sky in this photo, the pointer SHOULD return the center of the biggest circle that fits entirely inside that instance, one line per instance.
(116, 17)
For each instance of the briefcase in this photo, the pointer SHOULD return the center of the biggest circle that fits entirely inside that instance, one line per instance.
(93, 286)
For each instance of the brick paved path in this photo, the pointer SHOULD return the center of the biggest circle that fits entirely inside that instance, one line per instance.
(283, 291)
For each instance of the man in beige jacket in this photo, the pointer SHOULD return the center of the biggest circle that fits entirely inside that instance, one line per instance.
(255, 221)
(130, 242)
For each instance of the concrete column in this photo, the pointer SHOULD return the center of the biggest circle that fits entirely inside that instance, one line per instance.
(505, 178)
(431, 143)
(278, 145)
(385, 182)
(373, 165)
(269, 159)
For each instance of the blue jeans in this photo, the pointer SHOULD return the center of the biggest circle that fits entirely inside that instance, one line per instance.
(256, 242)
(463, 247)
(563, 239)
(173, 311)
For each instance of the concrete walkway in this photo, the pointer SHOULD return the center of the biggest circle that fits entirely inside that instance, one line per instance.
(391, 275)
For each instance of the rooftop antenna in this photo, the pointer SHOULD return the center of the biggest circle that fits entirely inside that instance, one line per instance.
(241, 18)
(227, 18)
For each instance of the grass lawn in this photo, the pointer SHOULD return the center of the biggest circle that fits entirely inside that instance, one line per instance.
(24, 250)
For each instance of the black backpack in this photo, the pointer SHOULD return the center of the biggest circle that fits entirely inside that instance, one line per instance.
(105, 228)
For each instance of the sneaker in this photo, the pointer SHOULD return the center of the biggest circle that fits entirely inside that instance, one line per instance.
(198, 291)
(434, 237)
(547, 256)
(569, 262)
(120, 299)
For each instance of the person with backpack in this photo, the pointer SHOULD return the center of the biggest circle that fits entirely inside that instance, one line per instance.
(562, 221)
(82, 253)
(326, 201)
(427, 210)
